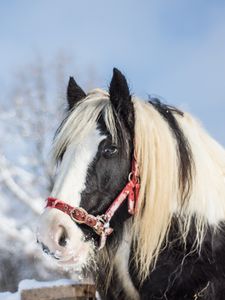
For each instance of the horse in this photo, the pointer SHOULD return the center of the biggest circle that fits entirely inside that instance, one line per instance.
(138, 198)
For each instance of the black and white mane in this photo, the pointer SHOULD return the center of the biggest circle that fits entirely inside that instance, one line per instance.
(174, 246)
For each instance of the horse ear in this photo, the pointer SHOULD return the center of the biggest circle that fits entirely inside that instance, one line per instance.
(120, 98)
(74, 93)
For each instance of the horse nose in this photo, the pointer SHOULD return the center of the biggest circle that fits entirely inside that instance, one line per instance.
(57, 241)
(58, 236)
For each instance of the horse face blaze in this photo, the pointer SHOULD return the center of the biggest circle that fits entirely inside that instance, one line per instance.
(57, 232)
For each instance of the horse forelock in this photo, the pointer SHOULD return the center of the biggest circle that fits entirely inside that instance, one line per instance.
(82, 119)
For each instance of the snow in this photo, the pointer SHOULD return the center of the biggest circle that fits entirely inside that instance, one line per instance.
(34, 284)
(10, 183)
(28, 284)
(28, 120)
(9, 296)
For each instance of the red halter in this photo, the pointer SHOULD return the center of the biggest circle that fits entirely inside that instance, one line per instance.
(100, 224)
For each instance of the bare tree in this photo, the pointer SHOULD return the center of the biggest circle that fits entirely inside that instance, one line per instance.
(27, 126)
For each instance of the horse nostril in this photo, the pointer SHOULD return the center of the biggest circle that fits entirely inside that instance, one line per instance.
(63, 238)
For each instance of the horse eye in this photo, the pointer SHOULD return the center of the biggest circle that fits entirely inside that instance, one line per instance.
(109, 151)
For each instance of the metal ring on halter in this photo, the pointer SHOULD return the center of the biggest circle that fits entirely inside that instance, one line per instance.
(130, 177)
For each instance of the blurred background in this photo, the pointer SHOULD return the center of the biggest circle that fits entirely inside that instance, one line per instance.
(172, 49)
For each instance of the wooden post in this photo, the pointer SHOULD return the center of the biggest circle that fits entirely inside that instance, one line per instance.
(64, 292)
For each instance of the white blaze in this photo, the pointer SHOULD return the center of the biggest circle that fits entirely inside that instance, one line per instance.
(69, 184)
(72, 173)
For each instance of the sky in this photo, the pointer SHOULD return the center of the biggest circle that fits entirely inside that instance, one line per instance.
(174, 49)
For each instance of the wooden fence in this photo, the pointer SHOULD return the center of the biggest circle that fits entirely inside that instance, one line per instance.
(68, 292)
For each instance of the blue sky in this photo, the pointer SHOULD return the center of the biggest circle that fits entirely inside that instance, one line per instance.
(175, 49)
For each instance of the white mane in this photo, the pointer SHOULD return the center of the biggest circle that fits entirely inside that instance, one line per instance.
(160, 196)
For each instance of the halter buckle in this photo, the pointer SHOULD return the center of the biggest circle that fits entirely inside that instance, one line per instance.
(78, 215)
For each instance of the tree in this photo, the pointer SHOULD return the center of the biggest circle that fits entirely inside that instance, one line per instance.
(30, 118)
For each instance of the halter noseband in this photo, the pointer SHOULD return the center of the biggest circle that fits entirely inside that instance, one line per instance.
(100, 223)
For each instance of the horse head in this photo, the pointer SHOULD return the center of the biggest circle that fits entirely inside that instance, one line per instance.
(93, 150)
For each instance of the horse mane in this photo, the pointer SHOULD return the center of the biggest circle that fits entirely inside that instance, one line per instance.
(173, 185)
(182, 170)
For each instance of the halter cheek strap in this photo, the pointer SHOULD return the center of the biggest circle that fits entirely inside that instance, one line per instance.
(100, 223)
